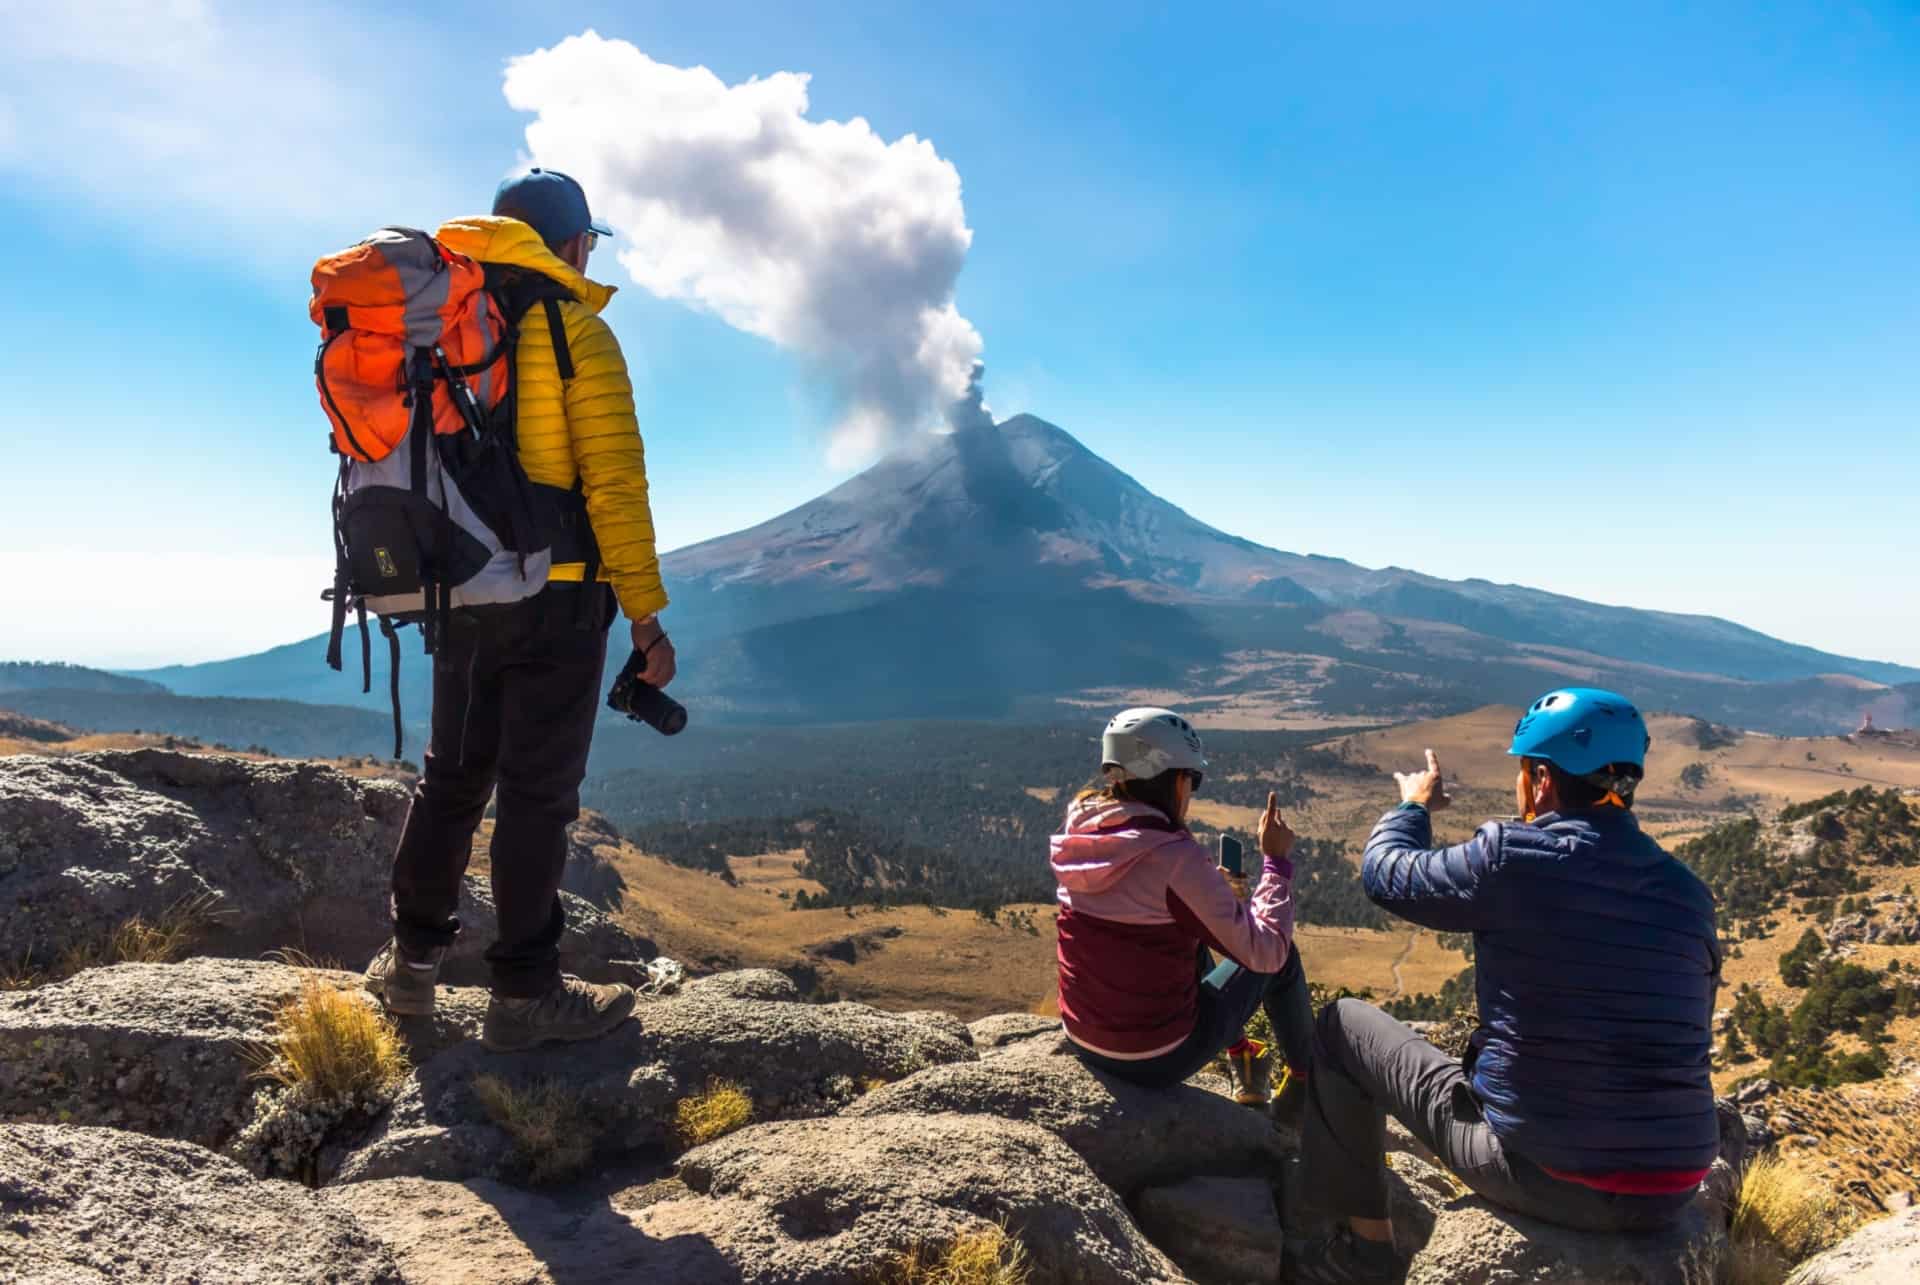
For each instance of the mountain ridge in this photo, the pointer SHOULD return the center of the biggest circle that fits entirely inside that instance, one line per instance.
(978, 571)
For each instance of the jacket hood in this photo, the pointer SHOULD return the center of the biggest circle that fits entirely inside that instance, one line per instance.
(1103, 839)
(493, 239)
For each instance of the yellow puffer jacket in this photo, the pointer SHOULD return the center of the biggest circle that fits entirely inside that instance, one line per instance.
(585, 427)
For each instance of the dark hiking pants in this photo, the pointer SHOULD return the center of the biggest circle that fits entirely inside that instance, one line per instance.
(1367, 1065)
(1229, 995)
(515, 692)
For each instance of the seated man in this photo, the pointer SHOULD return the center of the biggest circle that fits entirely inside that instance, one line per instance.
(1584, 1098)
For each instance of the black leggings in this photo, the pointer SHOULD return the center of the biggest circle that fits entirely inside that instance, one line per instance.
(1229, 995)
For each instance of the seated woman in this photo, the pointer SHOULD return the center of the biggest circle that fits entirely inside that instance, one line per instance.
(1141, 901)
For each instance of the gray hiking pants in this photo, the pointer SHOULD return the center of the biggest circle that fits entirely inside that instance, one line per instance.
(1366, 1065)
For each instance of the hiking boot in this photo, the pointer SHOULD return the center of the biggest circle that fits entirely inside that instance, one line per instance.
(1252, 1066)
(402, 982)
(572, 1010)
(1342, 1259)
(1288, 1110)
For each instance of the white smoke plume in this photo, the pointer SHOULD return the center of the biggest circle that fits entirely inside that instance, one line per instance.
(818, 235)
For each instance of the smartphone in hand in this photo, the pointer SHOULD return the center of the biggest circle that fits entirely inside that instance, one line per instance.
(1232, 855)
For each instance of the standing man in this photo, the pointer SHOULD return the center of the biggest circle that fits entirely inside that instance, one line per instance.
(1585, 1097)
(515, 691)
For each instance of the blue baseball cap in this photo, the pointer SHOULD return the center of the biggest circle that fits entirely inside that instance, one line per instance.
(552, 203)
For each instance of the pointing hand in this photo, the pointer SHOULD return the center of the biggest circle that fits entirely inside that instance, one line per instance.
(1427, 788)
(1276, 840)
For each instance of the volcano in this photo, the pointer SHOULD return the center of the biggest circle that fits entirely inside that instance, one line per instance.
(1001, 568)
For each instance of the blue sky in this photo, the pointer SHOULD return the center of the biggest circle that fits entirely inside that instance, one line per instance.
(1622, 301)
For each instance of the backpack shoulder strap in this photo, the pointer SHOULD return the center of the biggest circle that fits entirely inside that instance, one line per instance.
(518, 289)
(562, 356)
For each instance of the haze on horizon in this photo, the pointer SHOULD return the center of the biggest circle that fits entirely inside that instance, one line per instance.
(1615, 304)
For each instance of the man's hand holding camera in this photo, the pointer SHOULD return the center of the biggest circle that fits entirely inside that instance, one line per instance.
(651, 641)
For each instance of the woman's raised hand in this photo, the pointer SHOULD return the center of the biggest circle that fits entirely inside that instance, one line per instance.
(1276, 840)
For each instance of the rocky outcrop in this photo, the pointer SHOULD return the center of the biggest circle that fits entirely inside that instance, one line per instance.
(1130, 1136)
(829, 1200)
(169, 1049)
(590, 873)
(1886, 1252)
(815, 1202)
(1464, 1240)
(747, 983)
(280, 853)
(160, 1049)
(793, 1060)
(1892, 920)
(1002, 1031)
(82, 1205)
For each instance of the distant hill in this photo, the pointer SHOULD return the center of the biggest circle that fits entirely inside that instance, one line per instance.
(286, 728)
(993, 570)
(31, 675)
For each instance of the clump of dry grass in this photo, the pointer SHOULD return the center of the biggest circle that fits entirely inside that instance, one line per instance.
(551, 1128)
(18, 974)
(1782, 1216)
(166, 939)
(715, 1113)
(989, 1256)
(333, 1045)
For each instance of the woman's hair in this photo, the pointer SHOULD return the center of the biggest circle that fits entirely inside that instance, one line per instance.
(1154, 791)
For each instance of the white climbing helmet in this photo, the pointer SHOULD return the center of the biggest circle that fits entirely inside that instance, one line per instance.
(1142, 743)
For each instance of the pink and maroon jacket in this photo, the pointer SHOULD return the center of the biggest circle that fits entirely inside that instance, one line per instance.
(1138, 898)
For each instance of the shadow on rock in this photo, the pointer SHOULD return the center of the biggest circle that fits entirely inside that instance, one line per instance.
(444, 1233)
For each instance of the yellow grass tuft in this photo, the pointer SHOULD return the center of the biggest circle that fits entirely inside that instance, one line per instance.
(1782, 1216)
(165, 940)
(551, 1128)
(18, 974)
(721, 1109)
(333, 1044)
(989, 1256)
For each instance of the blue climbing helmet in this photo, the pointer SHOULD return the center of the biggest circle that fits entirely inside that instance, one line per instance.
(1584, 732)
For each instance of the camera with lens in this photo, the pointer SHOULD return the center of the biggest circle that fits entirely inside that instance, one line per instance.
(642, 702)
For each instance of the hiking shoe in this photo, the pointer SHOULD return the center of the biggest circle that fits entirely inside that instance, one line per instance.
(1288, 1109)
(572, 1010)
(403, 983)
(1342, 1259)
(1252, 1066)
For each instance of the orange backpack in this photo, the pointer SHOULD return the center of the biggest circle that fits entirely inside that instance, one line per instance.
(396, 296)
(432, 511)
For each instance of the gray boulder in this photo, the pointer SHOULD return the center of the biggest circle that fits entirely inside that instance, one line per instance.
(460, 1233)
(1005, 1030)
(84, 1205)
(1886, 1252)
(165, 1049)
(1463, 1240)
(287, 854)
(156, 1048)
(1225, 1231)
(792, 1060)
(831, 1200)
(1473, 1243)
(1130, 1136)
(746, 983)
(818, 1202)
